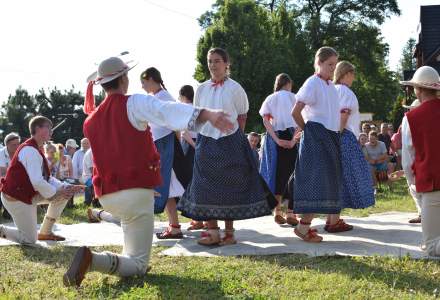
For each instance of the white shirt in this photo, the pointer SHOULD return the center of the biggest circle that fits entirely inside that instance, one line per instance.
(87, 168)
(279, 106)
(157, 131)
(32, 161)
(322, 102)
(4, 158)
(77, 163)
(229, 97)
(408, 154)
(145, 109)
(347, 99)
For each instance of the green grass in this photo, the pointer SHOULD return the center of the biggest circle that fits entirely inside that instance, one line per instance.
(34, 273)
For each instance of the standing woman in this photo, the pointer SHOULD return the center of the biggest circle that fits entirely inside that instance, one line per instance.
(317, 184)
(357, 184)
(226, 184)
(279, 150)
(164, 139)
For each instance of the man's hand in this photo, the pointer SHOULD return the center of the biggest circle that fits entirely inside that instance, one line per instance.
(74, 189)
(217, 118)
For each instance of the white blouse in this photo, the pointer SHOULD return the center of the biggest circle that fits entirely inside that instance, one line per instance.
(279, 106)
(322, 102)
(143, 110)
(229, 97)
(157, 131)
(347, 99)
(408, 154)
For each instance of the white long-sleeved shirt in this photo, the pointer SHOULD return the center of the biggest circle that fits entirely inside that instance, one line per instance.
(87, 166)
(408, 153)
(77, 163)
(32, 161)
(145, 109)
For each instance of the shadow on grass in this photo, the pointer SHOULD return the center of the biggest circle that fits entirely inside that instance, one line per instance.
(395, 277)
(169, 287)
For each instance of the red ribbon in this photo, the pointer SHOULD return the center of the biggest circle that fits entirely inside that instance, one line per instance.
(89, 100)
(215, 84)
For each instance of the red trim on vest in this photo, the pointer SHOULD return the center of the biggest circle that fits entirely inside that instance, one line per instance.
(16, 183)
(123, 156)
(423, 123)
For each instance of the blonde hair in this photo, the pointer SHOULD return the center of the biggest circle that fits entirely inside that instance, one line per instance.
(323, 54)
(342, 68)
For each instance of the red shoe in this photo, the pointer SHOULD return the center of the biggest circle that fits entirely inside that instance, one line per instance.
(340, 226)
(168, 233)
(310, 237)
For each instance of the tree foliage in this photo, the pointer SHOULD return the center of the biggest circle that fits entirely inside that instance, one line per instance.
(55, 104)
(265, 38)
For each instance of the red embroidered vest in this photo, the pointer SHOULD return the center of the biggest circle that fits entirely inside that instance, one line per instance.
(424, 122)
(16, 183)
(123, 157)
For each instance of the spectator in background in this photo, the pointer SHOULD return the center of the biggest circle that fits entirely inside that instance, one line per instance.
(254, 140)
(65, 168)
(52, 157)
(376, 155)
(366, 128)
(384, 137)
(373, 128)
(78, 157)
(12, 141)
(390, 130)
(363, 140)
(71, 147)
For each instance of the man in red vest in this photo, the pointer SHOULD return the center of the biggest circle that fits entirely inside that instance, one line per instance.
(126, 165)
(28, 183)
(421, 153)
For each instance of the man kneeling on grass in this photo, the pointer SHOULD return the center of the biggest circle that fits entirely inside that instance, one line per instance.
(28, 183)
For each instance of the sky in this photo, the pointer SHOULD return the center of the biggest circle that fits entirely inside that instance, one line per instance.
(57, 43)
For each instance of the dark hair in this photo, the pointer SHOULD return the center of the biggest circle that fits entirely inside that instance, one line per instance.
(280, 81)
(154, 74)
(38, 121)
(187, 91)
(222, 52)
(111, 85)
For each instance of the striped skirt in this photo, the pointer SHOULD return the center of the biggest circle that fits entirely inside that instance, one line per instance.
(357, 184)
(226, 184)
(317, 182)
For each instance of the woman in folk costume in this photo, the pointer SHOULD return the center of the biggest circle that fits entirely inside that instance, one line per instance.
(420, 153)
(164, 139)
(124, 177)
(279, 150)
(188, 140)
(357, 184)
(318, 179)
(226, 184)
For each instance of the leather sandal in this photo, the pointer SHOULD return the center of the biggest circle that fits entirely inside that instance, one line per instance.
(210, 238)
(340, 226)
(416, 220)
(78, 268)
(310, 237)
(91, 218)
(279, 219)
(168, 233)
(50, 237)
(196, 225)
(229, 238)
(291, 218)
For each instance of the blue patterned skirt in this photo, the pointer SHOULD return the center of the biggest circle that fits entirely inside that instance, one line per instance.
(269, 162)
(165, 147)
(357, 184)
(317, 183)
(226, 184)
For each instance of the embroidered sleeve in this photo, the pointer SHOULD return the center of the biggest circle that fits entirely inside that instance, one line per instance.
(193, 125)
